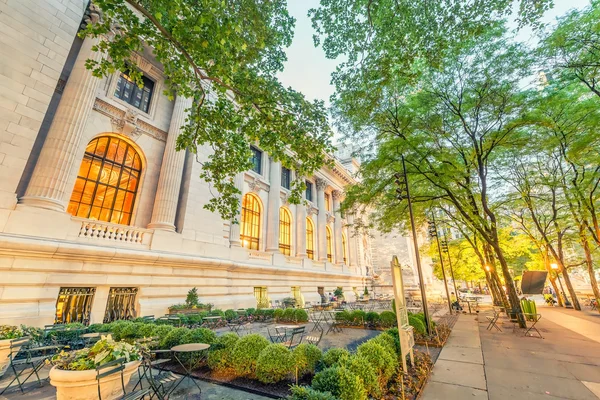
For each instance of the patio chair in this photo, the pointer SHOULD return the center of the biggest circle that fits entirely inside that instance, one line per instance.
(295, 338)
(114, 367)
(34, 359)
(159, 380)
(493, 319)
(313, 339)
(277, 337)
(535, 318)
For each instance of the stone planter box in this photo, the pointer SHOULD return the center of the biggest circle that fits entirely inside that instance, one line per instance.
(4, 354)
(82, 385)
(188, 311)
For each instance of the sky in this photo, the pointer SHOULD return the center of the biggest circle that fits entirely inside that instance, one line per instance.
(308, 70)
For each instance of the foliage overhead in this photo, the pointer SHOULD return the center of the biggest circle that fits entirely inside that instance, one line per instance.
(225, 56)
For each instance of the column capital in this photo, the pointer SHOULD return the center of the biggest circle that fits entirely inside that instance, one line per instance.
(336, 195)
(321, 183)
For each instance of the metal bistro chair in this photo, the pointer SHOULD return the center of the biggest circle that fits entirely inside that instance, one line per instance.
(160, 381)
(313, 339)
(295, 338)
(493, 319)
(111, 368)
(277, 337)
(34, 359)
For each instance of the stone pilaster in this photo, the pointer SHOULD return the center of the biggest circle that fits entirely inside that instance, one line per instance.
(337, 227)
(273, 209)
(321, 220)
(301, 228)
(234, 230)
(352, 244)
(171, 171)
(49, 185)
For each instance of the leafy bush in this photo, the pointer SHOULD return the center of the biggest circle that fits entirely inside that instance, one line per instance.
(308, 393)
(334, 355)
(300, 315)
(288, 314)
(387, 319)
(173, 338)
(250, 312)
(246, 352)
(70, 333)
(268, 312)
(306, 357)
(102, 352)
(339, 291)
(10, 332)
(199, 335)
(101, 328)
(384, 362)
(361, 367)
(372, 317)
(387, 342)
(341, 383)
(394, 334)
(278, 313)
(132, 330)
(358, 316)
(220, 357)
(343, 316)
(230, 315)
(417, 324)
(162, 330)
(274, 364)
(192, 298)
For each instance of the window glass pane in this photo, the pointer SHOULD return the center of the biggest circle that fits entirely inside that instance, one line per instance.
(308, 190)
(83, 211)
(119, 200)
(109, 198)
(256, 160)
(94, 170)
(122, 148)
(88, 192)
(101, 147)
(99, 196)
(124, 180)
(130, 92)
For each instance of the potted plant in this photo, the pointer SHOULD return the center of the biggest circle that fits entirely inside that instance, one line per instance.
(339, 293)
(191, 305)
(74, 373)
(366, 294)
(8, 333)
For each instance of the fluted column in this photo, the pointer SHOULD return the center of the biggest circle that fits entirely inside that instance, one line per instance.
(171, 171)
(321, 219)
(234, 230)
(301, 227)
(49, 185)
(337, 227)
(273, 210)
(352, 245)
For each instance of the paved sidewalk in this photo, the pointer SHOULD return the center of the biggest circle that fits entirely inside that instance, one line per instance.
(477, 363)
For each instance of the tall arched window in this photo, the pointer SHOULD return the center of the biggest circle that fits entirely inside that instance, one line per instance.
(345, 248)
(310, 239)
(329, 246)
(285, 231)
(107, 182)
(250, 222)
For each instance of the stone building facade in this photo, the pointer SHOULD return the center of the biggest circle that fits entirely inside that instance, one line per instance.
(99, 215)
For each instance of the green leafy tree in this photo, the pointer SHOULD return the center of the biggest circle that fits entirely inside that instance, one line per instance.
(225, 56)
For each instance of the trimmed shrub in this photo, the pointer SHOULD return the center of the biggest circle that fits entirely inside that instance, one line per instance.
(220, 357)
(132, 331)
(308, 393)
(300, 315)
(102, 328)
(417, 324)
(277, 313)
(334, 355)
(230, 315)
(250, 312)
(358, 316)
(118, 327)
(306, 357)
(288, 314)
(343, 316)
(360, 366)
(384, 363)
(173, 338)
(268, 312)
(274, 364)
(387, 319)
(162, 330)
(195, 319)
(386, 341)
(217, 313)
(394, 334)
(341, 383)
(199, 335)
(246, 352)
(372, 317)
(146, 330)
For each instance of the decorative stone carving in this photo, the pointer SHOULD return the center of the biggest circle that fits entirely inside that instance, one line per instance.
(330, 218)
(92, 15)
(285, 198)
(310, 210)
(255, 185)
(336, 195)
(321, 183)
(128, 122)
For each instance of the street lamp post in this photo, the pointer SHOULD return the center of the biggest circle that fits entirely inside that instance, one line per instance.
(564, 295)
(402, 182)
(434, 234)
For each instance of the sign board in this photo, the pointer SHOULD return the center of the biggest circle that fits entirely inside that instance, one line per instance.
(533, 282)
(407, 340)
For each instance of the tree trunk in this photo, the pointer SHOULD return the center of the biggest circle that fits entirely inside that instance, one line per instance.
(513, 298)
(556, 289)
(590, 266)
(570, 288)
(499, 289)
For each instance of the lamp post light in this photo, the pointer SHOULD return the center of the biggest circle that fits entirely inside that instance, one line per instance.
(568, 304)
(403, 193)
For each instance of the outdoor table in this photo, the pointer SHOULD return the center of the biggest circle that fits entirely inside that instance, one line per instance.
(413, 310)
(333, 325)
(317, 318)
(89, 337)
(212, 322)
(469, 301)
(190, 349)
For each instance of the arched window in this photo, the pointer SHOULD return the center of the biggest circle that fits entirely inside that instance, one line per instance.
(329, 246)
(285, 231)
(107, 182)
(250, 222)
(345, 248)
(310, 239)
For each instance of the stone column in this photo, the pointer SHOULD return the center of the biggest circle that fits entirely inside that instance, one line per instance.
(301, 228)
(48, 187)
(171, 171)
(321, 219)
(352, 245)
(336, 196)
(273, 209)
(234, 229)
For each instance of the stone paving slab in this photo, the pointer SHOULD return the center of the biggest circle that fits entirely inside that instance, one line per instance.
(513, 360)
(593, 387)
(437, 390)
(464, 341)
(504, 393)
(464, 354)
(459, 373)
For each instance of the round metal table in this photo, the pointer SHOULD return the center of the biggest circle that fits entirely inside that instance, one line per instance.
(190, 349)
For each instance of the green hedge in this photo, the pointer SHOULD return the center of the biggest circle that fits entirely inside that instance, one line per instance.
(334, 355)
(246, 352)
(220, 356)
(308, 393)
(340, 382)
(274, 364)
(306, 357)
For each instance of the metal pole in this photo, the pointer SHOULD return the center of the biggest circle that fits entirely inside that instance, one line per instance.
(437, 238)
(450, 264)
(417, 256)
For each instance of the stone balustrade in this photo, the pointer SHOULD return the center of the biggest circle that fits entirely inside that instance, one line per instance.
(112, 232)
